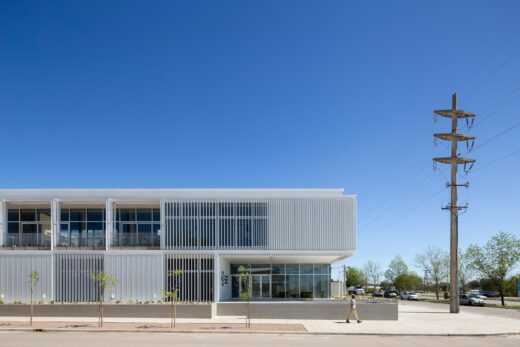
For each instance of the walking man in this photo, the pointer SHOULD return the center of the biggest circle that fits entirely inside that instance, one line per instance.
(353, 309)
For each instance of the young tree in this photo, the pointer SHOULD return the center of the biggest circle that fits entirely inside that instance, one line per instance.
(372, 272)
(408, 281)
(104, 283)
(354, 277)
(34, 278)
(397, 267)
(435, 261)
(172, 296)
(497, 258)
(243, 278)
(466, 269)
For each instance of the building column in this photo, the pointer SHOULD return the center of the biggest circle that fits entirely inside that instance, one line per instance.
(162, 237)
(3, 222)
(109, 223)
(55, 222)
(217, 274)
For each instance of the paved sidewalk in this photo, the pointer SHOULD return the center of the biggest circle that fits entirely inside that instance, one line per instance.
(414, 319)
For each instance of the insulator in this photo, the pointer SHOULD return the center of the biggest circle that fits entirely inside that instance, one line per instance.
(467, 168)
(435, 118)
(435, 141)
(470, 145)
(469, 122)
(434, 166)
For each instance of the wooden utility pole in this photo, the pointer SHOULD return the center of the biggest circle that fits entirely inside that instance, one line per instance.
(454, 161)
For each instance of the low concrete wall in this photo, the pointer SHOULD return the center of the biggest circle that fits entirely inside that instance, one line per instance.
(330, 309)
(110, 310)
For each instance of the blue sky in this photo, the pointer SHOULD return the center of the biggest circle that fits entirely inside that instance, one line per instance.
(268, 94)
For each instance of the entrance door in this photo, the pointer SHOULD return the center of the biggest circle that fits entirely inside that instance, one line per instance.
(261, 286)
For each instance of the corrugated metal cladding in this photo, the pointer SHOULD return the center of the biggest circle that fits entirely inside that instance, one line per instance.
(14, 276)
(278, 224)
(140, 276)
(72, 274)
(317, 224)
(195, 282)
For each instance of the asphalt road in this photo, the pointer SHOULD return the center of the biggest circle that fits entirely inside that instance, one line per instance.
(20, 339)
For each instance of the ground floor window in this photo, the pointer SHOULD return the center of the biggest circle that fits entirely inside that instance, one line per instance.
(283, 281)
(195, 280)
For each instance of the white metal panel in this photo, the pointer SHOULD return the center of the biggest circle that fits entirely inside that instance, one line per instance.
(3, 222)
(139, 276)
(73, 276)
(15, 269)
(312, 224)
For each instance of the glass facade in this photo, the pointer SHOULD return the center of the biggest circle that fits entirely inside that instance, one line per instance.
(82, 228)
(137, 227)
(284, 281)
(29, 227)
(203, 225)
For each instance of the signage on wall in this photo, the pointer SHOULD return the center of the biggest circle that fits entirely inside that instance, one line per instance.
(224, 279)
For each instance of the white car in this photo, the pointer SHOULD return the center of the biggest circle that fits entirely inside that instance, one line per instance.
(471, 300)
(409, 296)
(477, 294)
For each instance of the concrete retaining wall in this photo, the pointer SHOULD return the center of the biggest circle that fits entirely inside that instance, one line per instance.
(367, 310)
(110, 310)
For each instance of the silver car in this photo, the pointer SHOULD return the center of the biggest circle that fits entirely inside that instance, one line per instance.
(470, 300)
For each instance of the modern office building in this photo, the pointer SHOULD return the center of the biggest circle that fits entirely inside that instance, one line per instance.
(286, 239)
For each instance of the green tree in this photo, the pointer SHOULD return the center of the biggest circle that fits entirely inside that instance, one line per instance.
(34, 278)
(372, 272)
(354, 277)
(396, 267)
(408, 281)
(436, 262)
(466, 269)
(172, 295)
(104, 283)
(496, 259)
(244, 276)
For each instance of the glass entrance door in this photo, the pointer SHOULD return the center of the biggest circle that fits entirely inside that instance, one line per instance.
(261, 286)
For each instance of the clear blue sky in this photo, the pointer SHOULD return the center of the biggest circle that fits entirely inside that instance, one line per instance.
(268, 94)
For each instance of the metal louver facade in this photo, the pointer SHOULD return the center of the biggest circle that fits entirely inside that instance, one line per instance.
(141, 236)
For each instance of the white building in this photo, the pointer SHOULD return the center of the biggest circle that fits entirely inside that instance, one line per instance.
(286, 239)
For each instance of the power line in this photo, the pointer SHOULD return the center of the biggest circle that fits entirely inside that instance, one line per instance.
(495, 161)
(406, 214)
(492, 74)
(490, 58)
(491, 139)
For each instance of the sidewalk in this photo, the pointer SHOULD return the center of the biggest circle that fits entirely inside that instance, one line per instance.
(414, 319)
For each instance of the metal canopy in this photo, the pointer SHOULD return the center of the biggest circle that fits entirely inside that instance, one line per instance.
(454, 113)
(455, 136)
(454, 160)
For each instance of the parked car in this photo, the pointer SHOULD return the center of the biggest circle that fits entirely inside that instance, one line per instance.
(391, 294)
(471, 300)
(409, 296)
(477, 293)
(378, 294)
(491, 294)
(358, 290)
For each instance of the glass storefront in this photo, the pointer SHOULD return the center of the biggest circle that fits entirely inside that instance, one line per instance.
(282, 281)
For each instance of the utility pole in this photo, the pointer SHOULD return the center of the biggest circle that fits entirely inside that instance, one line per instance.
(454, 161)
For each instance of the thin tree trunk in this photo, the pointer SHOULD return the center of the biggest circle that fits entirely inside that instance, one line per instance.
(171, 312)
(101, 312)
(31, 318)
(437, 290)
(175, 312)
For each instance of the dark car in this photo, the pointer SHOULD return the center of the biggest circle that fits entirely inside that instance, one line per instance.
(491, 294)
(391, 294)
(378, 294)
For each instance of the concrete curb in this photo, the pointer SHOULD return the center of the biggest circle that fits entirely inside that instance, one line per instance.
(32, 330)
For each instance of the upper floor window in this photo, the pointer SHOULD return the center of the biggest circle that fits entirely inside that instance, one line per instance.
(216, 224)
(82, 228)
(29, 227)
(137, 227)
